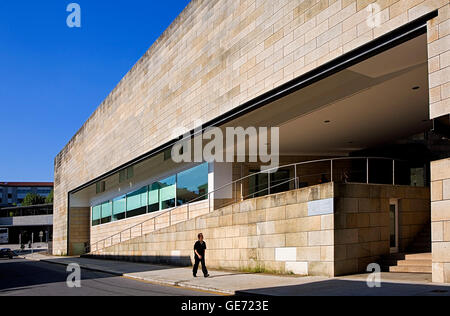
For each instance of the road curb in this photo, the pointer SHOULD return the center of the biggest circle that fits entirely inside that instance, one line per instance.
(81, 266)
(137, 278)
(180, 284)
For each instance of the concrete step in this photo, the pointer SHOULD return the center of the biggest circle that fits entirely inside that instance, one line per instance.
(419, 256)
(411, 269)
(417, 263)
(395, 256)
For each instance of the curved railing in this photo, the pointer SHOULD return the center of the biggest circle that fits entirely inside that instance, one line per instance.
(336, 173)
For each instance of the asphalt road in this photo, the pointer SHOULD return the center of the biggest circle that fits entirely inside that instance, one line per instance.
(30, 278)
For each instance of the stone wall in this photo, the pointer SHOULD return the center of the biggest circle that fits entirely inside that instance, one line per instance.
(79, 229)
(439, 62)
(278, 233)
(440, 216)
(362, 233)
(329, 229)
(217, 55)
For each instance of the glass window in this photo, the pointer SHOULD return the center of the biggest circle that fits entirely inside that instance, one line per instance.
(192, 185)
(153, 197)
(167, 193)
(100, 187)
(130, 172)
(137, 202)
(96, 215)
(126, 174)
(23, 191)
(119, 208)
(106, 212)
(258, 183)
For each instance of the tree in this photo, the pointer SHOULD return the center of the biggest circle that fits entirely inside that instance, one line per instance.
(33, 199)
(49, 198)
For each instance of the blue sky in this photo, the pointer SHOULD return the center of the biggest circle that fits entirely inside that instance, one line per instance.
(53, 77)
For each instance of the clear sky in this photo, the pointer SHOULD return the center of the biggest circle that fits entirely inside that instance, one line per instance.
(53, 77)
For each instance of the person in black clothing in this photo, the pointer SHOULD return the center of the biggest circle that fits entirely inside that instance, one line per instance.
(199, 250)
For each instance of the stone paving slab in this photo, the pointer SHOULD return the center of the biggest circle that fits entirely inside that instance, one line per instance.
(230, 283)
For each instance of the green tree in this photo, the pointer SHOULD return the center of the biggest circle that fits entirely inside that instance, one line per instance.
(33, 199)
(49, 198)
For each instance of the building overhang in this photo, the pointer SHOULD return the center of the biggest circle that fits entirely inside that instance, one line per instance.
(396, 37)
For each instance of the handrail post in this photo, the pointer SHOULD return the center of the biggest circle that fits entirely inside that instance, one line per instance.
(331, 170)
(268, 183)
(209, 203)
(367, 169)
(296, 180)
(393, 171)
(188, 210)
(242, 191)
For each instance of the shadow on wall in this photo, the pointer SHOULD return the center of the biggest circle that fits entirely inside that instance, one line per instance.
(183, 261)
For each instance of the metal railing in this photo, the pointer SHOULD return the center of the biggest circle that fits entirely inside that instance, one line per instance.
(345, 174)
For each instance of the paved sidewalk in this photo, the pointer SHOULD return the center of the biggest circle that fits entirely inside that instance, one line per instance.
(258, 284)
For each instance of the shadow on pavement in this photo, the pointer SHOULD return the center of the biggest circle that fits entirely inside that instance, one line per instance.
(20, 274)
(350, 288)
(116, 265)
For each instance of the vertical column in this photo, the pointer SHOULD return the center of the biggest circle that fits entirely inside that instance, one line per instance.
(440, 217)
(439, 62)
(439, 79)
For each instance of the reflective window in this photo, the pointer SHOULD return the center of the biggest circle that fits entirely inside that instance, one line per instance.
(100, 187)
(137, 202)
(153, 198)
(119, 208)
(106, 212)
(192, 185)
(96, 215)
(126, 174)
(167, 193)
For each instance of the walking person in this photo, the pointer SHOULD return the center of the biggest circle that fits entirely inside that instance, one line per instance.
(199, 249)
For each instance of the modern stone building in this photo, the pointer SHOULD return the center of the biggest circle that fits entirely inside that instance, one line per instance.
(360, 91)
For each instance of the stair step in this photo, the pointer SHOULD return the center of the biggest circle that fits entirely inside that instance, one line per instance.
(411, 269)
(395, 256)
(388, 262)
(419, 256)
(417, 263)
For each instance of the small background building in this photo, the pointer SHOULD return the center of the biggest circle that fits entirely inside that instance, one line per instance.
(22, 224)
(19, 224)
(13, 193)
